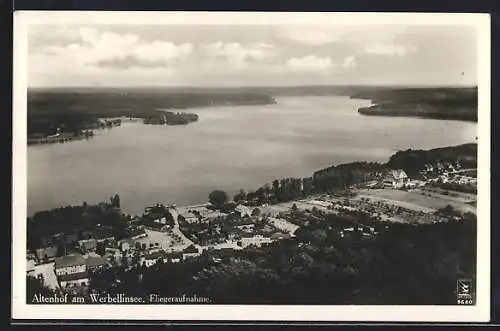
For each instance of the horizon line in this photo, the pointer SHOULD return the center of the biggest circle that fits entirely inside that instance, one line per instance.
(260, 86)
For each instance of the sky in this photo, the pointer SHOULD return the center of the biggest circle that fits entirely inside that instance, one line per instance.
(121, 55)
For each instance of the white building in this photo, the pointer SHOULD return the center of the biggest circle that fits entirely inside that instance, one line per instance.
(126, 244)
(153, 258)
(257, 240)
(69, 264)
(71, 270)
(396, 179)
(243, 210)
(283, 225)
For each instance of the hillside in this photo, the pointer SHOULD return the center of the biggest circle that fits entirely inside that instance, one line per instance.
(434, 103)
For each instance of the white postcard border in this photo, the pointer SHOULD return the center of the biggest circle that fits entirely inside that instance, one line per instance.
(21, 310)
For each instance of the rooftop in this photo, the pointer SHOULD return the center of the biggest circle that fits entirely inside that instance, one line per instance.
(69, 261)
(156, 255)
(190, 249)
(80, 275)
(174, 255)
(95, 261)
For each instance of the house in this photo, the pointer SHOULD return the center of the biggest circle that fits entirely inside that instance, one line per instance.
(139, 233)
(126, 244)
(450, 167)
(46, 254)
(254, 240)
(95, 263)
(190, 251)
(190, 217)
(396, 178)
(70, 264)
(221, 254)
(243, 210)
(174, 257)
(245, 226)
(78, 279)
(71, 270)
(153, 258)
(113, 254)
(428, 167)
(30, 267)
(104, 237)
(283, 225)
(87, 245)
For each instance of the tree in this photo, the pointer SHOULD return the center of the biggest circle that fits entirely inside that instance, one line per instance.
(36, 286)
(115, 201)
(100, 248)
(256, 212)
(61, 248)
(217, 198)
(241, 196)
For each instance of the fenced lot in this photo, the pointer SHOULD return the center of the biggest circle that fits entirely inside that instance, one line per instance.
(166, 240)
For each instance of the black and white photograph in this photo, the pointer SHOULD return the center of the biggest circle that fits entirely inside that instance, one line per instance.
(251, 166)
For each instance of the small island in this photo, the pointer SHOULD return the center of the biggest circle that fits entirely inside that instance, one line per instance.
(63, 115)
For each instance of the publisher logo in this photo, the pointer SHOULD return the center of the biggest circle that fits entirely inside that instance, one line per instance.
(465, 292)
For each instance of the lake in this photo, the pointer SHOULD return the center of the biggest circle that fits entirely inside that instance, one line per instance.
(228, 148)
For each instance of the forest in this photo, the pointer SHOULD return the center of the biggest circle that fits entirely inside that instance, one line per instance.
(414, 160)
(79, 220)
(435, 103)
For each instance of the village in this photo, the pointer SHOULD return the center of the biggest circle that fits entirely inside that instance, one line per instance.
(171, 234)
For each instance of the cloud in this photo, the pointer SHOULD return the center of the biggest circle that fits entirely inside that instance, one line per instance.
(309, 63)
(389, 49)
(311, 35)
(238, 54)
(349, 62)
(113, 50)
(159, 51)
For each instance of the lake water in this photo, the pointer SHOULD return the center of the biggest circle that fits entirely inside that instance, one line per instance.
(228, 148)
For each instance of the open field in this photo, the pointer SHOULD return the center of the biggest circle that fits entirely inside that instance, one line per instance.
(453, 196)
(414, 200)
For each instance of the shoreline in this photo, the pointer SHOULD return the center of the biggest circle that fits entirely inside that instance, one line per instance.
(313, 174)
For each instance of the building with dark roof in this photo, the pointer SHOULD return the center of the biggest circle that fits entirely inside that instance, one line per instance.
(71, 270)
(153, 258)
(96, 263)
(174, 257)
(75, 279)
(69, 264)
(190, 251)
